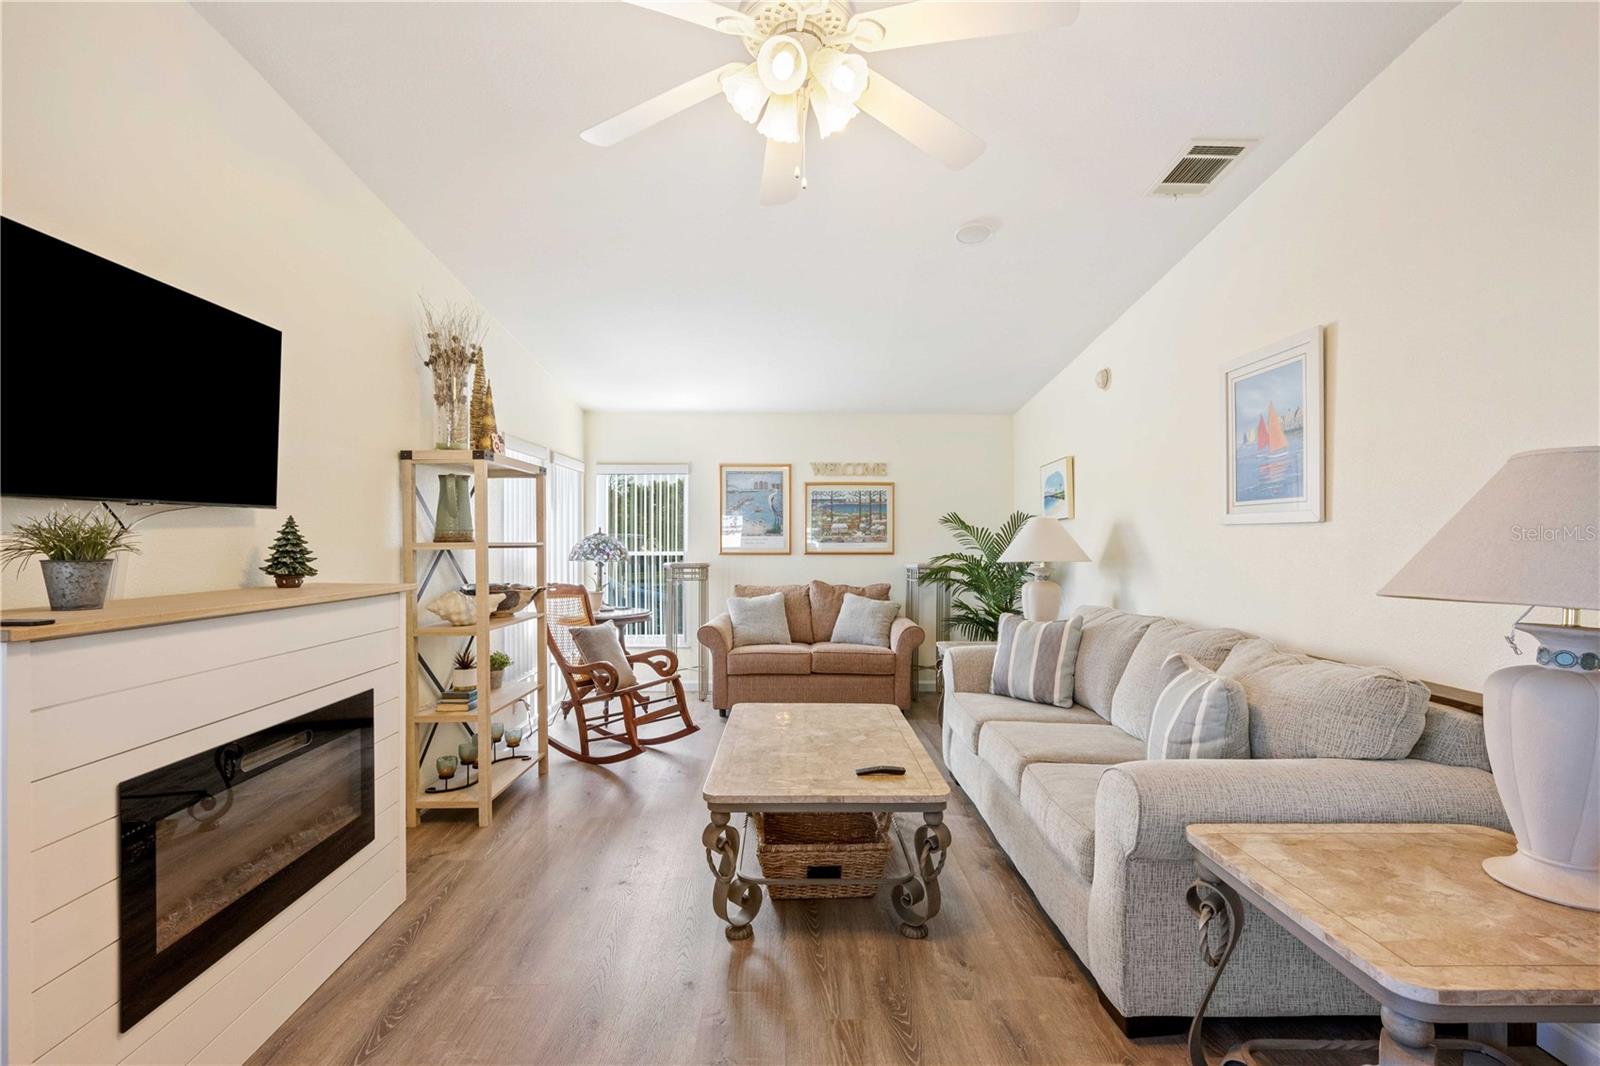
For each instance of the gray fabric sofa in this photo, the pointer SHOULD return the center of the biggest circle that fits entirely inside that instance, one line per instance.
(1097, 831)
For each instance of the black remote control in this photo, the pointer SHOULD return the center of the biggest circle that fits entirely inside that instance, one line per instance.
(27, 621)
(865, 770)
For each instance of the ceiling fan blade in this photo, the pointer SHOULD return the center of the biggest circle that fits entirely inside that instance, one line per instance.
(702, 13)
(919, 123)
(659, 108)
(936, 21)
(778, 183)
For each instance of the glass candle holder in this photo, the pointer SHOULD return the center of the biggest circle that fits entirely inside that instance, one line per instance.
(513, 737)
(468, 750)
(447, 766)
(497, 731)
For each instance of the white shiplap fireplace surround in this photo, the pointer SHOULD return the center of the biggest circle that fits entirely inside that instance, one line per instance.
(102, 697)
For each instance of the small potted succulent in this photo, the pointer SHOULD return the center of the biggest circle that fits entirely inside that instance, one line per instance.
(465, 674)
(77, 548)
(498, 661)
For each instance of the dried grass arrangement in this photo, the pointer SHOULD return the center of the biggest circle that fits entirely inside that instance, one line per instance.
(454, 333)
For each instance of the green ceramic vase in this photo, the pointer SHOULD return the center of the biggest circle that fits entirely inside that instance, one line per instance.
(453, 515)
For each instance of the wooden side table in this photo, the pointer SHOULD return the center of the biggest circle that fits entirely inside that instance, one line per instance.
(622, 618)
(1408, 914)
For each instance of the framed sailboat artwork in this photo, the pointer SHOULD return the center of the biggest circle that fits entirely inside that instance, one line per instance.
(1273, 413)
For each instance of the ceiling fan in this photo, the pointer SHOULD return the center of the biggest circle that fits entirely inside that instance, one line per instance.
(807, 63)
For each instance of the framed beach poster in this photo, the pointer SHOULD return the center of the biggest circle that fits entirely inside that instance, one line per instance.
(1057, 497)
(1273, 411)
(755, 508)
(849, 518)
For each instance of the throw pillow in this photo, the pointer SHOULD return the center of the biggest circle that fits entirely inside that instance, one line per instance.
(759, 620)
(1199, 714)
(826, 600)
(1307, 708)
(864, 621)
(600, 644)
(1037, 660)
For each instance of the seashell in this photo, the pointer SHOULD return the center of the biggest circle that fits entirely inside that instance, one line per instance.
(453, 607)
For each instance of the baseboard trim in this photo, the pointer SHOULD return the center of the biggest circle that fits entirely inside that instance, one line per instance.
(1575, 1045)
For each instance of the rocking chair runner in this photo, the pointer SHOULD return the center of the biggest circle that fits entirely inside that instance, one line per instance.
(592, 684)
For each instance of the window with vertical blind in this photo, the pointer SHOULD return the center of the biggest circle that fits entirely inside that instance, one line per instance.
(511, 517)
(566, 517)
(646, 508)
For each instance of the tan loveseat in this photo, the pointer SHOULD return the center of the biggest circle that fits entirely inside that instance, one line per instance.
(812, 669)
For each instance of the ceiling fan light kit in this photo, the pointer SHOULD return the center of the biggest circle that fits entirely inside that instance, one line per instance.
(806, 63)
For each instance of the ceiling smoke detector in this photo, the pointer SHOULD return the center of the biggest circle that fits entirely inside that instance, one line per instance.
(977, 231)
(1199, 165)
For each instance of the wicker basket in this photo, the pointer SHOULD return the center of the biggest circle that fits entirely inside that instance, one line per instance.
(824, 849)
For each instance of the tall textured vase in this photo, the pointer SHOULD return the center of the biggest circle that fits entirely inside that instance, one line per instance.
(453, 513)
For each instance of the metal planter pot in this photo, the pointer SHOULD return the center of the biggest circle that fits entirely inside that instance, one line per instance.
(74, 585)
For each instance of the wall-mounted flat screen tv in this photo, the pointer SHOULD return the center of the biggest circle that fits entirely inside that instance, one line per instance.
(115, 386)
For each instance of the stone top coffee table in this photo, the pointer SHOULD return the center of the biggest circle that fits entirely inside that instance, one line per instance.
(802, 758)
(1408, 914)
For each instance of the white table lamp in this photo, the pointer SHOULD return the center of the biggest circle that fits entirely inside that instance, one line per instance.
(1532, 536)
(1041, 542)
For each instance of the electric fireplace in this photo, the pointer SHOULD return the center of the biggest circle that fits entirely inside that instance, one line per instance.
(213, 846)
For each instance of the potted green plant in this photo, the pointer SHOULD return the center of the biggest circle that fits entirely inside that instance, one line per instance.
(465, 674)
(983, 587)
(498, 661)
(77, 548)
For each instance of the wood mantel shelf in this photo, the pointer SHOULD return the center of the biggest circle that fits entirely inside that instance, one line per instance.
(187, 607)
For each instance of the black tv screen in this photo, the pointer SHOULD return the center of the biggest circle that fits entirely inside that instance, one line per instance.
(115, 386)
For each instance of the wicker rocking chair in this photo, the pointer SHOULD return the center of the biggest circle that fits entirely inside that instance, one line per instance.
(607, 713)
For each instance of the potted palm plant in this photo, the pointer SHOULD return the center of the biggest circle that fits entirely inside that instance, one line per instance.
(982, 587)
(77, 548)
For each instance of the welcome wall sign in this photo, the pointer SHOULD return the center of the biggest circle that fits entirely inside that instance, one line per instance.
(849, 469)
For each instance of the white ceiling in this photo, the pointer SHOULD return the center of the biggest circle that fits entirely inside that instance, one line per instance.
(647, 276)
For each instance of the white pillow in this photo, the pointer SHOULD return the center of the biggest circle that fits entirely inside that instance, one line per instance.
(600, 644)
(1199, 714)
(759, 620)
(864, 621)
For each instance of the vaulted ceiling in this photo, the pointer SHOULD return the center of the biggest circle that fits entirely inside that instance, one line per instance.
(648, 277)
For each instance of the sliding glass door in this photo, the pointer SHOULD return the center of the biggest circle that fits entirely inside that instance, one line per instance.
(646, 508)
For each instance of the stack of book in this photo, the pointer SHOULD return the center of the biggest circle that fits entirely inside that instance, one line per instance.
(458, 699)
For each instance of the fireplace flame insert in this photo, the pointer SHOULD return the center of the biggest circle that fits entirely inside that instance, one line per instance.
(215, 845)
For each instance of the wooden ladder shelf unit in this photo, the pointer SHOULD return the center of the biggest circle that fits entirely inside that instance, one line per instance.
(422, 714)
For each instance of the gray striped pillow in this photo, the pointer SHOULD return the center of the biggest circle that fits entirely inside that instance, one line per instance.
(1199, 714)
(1036, 660)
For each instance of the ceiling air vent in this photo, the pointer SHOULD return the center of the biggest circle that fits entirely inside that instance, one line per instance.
(1199, 167)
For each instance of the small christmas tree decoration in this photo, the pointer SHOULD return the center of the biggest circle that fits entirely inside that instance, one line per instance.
(289, 559)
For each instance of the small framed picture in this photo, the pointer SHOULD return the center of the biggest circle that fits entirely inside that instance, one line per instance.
(1272, 403)
(849, 518)
(1058, 498)
(755, 508)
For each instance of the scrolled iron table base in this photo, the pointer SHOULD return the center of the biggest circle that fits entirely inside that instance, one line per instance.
(1405, 1041)
(736, 896)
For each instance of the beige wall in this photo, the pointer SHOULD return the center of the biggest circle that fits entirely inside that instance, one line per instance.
(1443, 229)
(939, 463)
(137, 132)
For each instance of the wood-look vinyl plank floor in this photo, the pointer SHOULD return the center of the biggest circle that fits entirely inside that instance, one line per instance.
(578, 929)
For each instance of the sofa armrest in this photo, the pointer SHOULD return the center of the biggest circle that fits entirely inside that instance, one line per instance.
(1143, 808)
(1142, 948)
(905, 637)
(968, 667)
(717, 636)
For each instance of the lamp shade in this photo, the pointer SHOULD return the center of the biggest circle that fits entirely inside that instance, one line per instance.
(1042, 540)
(1530, 537)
